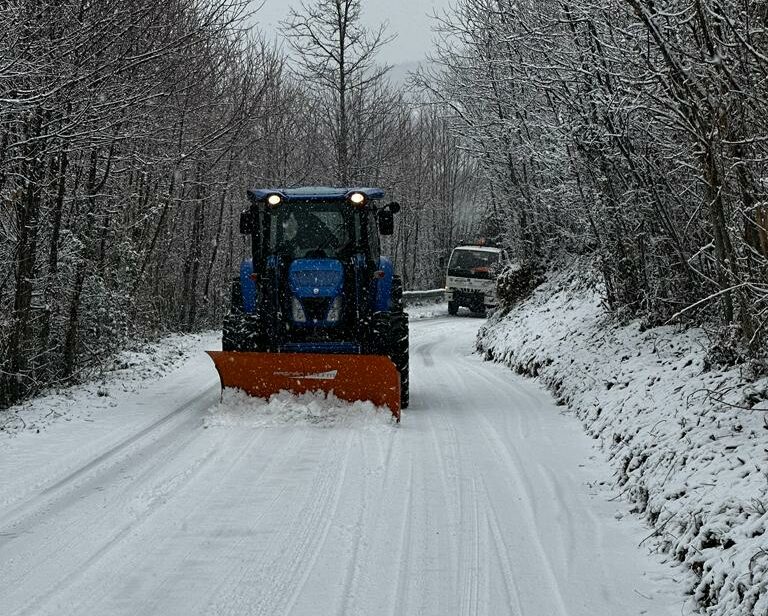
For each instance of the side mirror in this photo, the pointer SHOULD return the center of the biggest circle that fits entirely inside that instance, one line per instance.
(393, 207)
(441, 261)
(247, 222)
(386, 222)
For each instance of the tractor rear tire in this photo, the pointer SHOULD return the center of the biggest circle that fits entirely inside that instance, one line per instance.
(397, 294)
(236, 298)
(243, 332)
(231, 339)
(453, 308)
(399, 355)
(232, 332)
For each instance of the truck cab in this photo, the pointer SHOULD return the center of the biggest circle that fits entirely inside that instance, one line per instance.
(471, 278)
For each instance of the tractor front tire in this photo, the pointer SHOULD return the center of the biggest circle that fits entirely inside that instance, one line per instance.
(453, 308)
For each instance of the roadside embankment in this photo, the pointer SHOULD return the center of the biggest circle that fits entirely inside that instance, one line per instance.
(688, 440)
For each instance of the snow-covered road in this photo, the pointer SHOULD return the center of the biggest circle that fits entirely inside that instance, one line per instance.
(485, 500)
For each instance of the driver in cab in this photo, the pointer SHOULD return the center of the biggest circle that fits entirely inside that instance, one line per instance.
(306, 235)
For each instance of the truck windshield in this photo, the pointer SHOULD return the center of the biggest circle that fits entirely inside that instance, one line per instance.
(468, 260)
(314, 230)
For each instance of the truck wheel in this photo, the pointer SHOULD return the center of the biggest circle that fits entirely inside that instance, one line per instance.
(453, 308)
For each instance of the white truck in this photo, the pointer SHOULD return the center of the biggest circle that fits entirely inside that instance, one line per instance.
(471, 278)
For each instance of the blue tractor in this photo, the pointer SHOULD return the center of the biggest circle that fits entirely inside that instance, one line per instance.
(317, 307)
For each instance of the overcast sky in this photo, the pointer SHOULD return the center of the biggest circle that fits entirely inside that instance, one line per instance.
(409, 19)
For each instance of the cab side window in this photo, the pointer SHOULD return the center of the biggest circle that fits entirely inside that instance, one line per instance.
(373, 237)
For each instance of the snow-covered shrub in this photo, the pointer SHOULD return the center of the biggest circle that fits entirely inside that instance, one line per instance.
(517, 281)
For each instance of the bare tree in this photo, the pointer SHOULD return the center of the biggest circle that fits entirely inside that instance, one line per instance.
(626, 129)
(337, 54)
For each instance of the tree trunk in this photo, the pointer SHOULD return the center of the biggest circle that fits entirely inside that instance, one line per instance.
(17, 378)
(73, 320)
(53, 257)
(219, 224)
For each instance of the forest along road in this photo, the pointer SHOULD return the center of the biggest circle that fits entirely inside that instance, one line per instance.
(483, 501)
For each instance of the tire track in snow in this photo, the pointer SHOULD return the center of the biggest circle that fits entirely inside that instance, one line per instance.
(303, 543)
(555, 489)
(486, 426)
(508, 460)
(468, 558)
(42, 502)
(515, 472)
(234, 462)
(95, 560)
(494, 536)
(311, 541)
(403, 558)
(471, 559)
(502, 551)
(233, 454)
(353, 569)
(450, 477)
(568, 530)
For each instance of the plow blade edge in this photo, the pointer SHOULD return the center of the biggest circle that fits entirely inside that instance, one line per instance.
(349, 377)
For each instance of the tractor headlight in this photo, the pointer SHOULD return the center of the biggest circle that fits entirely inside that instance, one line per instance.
(274, 199)
(357, 198)
(334, 314)
(297, 312)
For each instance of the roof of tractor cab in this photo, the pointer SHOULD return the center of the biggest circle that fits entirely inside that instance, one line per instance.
(314, 193)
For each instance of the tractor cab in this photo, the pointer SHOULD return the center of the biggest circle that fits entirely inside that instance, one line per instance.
(316, 275)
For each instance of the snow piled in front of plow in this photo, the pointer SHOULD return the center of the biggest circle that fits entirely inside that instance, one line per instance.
(312, 409)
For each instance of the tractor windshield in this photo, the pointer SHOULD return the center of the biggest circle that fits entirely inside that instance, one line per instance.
(314, 230)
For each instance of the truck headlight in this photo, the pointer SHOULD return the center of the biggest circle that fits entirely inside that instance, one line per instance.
(297, 312)
(334, 314)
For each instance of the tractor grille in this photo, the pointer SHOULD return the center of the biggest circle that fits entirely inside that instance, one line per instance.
(316, 308)
(315, 278)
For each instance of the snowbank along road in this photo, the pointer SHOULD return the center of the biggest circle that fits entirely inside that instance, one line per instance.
(485, 500)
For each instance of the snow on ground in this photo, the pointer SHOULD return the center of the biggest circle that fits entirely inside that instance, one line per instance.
(127, 371)
(76, 427)
(427, 310)
(688, 442)
(484, 500)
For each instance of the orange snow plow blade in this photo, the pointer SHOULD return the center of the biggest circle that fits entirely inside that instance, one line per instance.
(349, 377)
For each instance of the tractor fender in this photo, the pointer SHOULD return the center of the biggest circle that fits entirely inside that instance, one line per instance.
(248, 286)
(383, 291)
